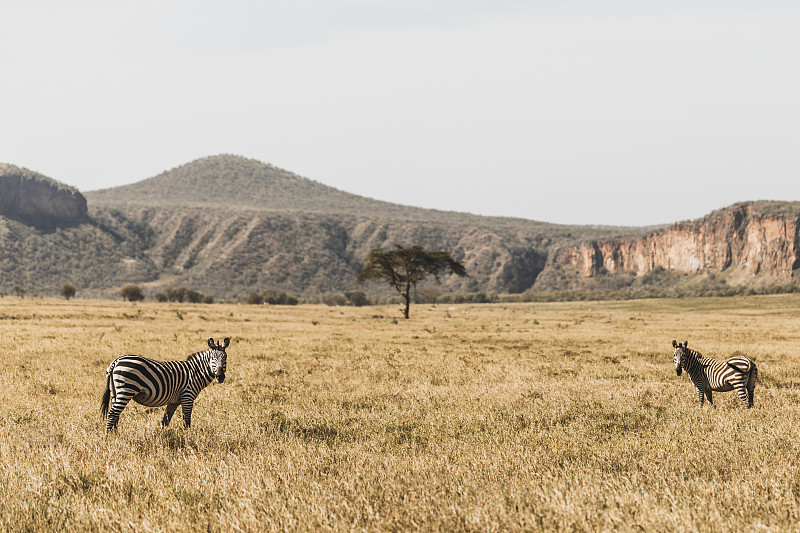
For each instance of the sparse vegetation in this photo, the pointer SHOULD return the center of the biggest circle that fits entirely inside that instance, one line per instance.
(182, 294)
(132, 293)
(67, 291)
(357, 298)
(254, 298)
(271, 297)
(458, 419)
(261, 187)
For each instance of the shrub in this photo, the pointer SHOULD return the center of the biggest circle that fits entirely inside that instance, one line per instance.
(275, 297)
(67, 291)
(255, 299)
(271, 297)
(428, 295)
(176, 294)
(334, 299)
(132, 293)
(182, 294)
(357, 298)
(194, 297)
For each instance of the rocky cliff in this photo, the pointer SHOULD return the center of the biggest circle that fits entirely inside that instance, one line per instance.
(751, 238)
(39, 200)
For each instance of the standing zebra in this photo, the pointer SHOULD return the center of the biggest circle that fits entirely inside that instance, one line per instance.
(739, 373)
(156, 383)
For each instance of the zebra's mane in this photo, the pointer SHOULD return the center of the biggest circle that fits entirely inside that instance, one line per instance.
(704, 361)
(196, 355)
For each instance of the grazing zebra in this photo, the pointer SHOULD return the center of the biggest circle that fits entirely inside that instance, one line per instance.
(156, 383)
(739, 373)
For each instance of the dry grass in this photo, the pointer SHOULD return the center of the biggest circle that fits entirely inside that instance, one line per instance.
(485, 417)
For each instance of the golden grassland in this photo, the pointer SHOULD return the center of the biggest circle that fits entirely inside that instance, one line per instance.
(558, 416)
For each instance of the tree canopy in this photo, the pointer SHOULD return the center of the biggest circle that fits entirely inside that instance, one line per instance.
(67, 290)
(132, 293)
(403, 268)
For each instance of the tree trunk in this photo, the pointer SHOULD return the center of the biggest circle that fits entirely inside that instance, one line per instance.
(407, 296)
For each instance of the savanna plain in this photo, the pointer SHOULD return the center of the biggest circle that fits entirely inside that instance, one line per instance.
(497, 417)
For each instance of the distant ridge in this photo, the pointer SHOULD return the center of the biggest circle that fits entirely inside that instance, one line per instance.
(228, 226)
(242, 183)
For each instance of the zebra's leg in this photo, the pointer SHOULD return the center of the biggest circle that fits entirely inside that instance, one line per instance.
(168, 415)
(701, 396)
(119, 403)
(186, 407)
(751, 386)
(710, 400)
(744, 395)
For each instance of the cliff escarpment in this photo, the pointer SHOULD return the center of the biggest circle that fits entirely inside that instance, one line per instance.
(753, 239)
(36, 199)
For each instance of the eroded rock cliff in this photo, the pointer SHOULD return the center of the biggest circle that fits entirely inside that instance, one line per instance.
(39, 200)
(746, 235)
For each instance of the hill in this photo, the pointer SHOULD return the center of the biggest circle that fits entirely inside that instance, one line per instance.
(247, 184)
(243, 184)
(238, 182)
(228, 226)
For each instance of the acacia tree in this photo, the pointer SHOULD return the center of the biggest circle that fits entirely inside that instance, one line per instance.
(403, 268)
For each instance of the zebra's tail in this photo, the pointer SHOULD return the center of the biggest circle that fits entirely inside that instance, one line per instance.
(107, 394)
(104, 403)
(741, 366)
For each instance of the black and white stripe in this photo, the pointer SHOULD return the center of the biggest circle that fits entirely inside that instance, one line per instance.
(737, 373)
(156, 383)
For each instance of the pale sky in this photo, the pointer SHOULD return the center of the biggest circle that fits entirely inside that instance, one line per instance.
(571, 111)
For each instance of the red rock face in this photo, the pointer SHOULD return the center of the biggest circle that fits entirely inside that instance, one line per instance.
(767, 245)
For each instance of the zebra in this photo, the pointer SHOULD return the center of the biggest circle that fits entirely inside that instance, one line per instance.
(156, 383)
(739, 373)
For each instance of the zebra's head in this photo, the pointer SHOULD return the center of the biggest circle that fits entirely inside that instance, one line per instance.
(219, 359)
(680, 354)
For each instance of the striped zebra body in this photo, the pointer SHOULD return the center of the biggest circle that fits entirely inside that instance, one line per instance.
(710, 375)
(157, 383)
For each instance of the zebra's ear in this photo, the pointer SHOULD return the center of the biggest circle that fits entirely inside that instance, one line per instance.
(211, 342)
(685, 344)
(226, 342)
(674, 344)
